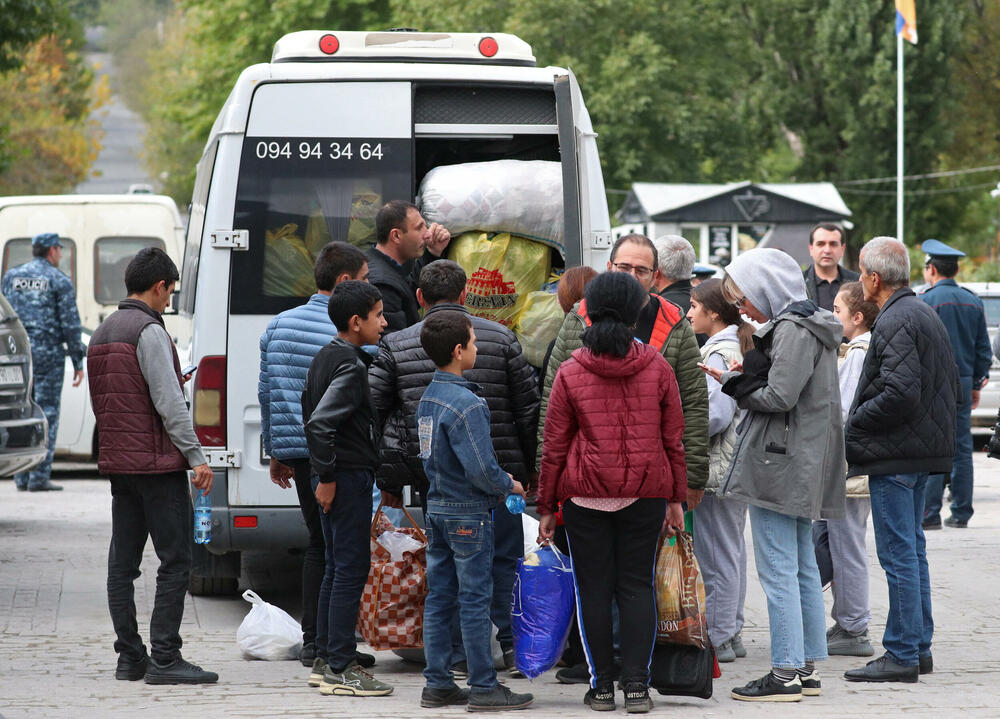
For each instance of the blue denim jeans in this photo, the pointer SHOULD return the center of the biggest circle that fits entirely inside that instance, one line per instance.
(786, 565)
(897, 510)
(961, 472)
(346, 531)
(459, 580)
(508, 547)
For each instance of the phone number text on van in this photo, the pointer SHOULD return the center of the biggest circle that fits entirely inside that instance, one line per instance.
(319, 150)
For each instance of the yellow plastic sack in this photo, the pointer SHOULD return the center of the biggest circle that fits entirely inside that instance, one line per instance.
(538, 324)
(502, 269)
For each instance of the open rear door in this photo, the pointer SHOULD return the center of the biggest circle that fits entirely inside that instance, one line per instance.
(588, 224)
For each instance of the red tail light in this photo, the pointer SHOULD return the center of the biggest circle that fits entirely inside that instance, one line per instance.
(210, 401)
(329, 44)
(488, 47)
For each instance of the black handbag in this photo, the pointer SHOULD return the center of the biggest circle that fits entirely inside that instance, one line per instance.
(682, 670)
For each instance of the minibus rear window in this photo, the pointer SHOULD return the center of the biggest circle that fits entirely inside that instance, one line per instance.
(18, 251)
(111, 257)
(294, 195)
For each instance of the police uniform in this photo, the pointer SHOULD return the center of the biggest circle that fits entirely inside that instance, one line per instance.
(963, 316)
(45, 300)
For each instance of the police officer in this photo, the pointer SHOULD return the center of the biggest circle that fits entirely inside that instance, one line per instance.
(45, 301)
(962, 314)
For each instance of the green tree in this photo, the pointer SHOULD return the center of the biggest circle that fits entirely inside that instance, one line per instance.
(21, 23)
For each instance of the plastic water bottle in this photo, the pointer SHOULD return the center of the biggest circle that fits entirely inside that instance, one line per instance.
(202, 519)
(515, 503)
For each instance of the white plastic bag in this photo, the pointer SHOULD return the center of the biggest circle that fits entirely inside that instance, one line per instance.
(397, 543)
(523, 197)
(529, 525)
(268, 632)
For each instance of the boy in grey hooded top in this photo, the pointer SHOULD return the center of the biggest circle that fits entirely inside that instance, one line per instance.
(788, 464)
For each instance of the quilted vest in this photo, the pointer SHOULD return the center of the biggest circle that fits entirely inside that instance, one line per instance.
(668, 316)
(131, 435)
(722, 446)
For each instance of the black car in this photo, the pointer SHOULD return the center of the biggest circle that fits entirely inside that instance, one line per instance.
(23, 429)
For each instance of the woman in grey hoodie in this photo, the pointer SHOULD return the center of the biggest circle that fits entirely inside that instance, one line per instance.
(788, 464)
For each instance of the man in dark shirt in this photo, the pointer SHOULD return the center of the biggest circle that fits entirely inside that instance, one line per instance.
(825, 276)
(404, 243)
(675, 263)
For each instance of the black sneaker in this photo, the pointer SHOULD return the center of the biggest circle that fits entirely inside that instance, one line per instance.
(949, 522)
(576, 674)
(131, 670)
(637, 699)
(926, 665)
(498, 699)
(178, 671)
(510, 664)
(308, 654)
(601, 699)
(811, 686)
(365, 661)
(928, 524)
(444, 697)
(460, 670)
(769, 689)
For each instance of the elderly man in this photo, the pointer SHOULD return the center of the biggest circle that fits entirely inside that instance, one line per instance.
(675, 264)
(901, 429)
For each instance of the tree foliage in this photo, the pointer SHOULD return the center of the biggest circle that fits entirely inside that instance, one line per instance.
(52, 139)
(679, 91)
(21, 23)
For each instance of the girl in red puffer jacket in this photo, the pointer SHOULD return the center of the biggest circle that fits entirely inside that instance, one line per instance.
(612, 454)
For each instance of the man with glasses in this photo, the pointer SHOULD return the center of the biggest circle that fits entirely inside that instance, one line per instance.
(963, 316)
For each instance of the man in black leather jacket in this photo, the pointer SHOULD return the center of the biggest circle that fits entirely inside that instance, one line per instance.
(398, 378)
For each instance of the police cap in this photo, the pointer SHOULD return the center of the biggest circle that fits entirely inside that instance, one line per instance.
(939, 250)
(46, 239)
(703, 272)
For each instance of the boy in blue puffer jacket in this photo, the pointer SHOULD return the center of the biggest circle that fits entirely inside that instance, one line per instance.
(287, 348)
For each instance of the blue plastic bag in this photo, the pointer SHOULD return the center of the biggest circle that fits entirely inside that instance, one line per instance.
(541, 610)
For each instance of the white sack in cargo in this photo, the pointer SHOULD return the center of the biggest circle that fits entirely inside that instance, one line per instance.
(523, 197)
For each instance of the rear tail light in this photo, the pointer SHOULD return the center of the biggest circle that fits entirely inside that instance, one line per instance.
(488, 47)
(245, 522)
(329, 44)
(210, 401)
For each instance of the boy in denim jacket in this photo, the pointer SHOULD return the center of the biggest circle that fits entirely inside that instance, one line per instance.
(453, 425)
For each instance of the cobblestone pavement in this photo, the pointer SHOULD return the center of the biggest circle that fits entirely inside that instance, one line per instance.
(56, 656)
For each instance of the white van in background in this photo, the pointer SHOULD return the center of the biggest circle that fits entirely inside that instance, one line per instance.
(305, 150)
(100, 235)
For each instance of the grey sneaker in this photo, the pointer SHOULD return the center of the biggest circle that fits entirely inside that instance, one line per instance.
(178, 671)
(453, 696)
(737, 642)
(353, 682)
(725, 652)
(841, 642)
(498, 699)
(317, 672)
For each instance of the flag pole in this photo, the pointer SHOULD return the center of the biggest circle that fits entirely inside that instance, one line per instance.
(899, 136)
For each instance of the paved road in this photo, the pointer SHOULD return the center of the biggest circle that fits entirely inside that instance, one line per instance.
(56, 656)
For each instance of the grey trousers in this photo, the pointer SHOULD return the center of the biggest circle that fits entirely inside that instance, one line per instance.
(849, 557)
(721, 550)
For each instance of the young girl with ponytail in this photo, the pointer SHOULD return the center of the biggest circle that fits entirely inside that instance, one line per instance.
(612, 454)
(719, 523)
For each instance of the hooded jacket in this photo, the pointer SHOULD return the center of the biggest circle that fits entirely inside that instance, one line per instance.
(789, 456)
(614, 429)
(681, 352)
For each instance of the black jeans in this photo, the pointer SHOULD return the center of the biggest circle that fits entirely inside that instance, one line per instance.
(347, 531)
(156, 506)
(314, 561)
(614, 557)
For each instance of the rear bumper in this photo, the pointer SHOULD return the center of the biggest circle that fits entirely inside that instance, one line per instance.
(23, 442)
(277, 527)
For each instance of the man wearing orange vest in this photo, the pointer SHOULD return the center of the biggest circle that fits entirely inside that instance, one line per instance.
(663, 325)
